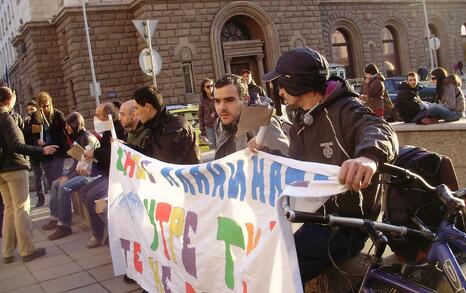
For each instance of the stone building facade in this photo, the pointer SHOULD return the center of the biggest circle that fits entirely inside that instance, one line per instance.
(205, 38)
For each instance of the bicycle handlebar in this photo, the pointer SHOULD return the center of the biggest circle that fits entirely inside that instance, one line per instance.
(298, 217)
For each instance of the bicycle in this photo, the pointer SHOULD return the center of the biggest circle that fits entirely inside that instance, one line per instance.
(439, 254)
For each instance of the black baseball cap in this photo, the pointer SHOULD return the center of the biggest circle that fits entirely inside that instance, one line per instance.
(298, 69)
(299, 62)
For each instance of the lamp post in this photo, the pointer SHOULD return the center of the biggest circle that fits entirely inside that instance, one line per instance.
(428, 34)
(91, 59)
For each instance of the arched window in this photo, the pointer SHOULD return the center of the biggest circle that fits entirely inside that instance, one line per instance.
(342, 51)
(390, 51)
(234, 31)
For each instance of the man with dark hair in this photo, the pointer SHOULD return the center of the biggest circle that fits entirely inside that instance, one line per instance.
(254, 91)
(169, 138)
(229, 94)
(409, 105)
(63, 187)
(333, 127)
(14, 183)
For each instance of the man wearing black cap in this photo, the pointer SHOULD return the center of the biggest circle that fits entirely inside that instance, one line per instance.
(254, 91)
(332, 127)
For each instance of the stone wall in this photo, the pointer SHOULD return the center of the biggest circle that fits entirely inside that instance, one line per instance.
(444, 138)
(38, 67)
(368, 18)
(56, 57)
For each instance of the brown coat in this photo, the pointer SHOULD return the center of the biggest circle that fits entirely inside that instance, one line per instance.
(374, 92)
(170, 139)
(207, 114)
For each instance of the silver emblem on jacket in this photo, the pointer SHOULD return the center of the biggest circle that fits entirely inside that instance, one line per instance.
(327, 151)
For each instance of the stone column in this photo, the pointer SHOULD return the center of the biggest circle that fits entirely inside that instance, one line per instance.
(260, 66)
(227, 64)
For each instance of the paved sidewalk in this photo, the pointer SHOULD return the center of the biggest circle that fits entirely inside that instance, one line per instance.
(68, 265)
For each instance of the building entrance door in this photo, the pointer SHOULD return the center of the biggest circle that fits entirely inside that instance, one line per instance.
(238, 64)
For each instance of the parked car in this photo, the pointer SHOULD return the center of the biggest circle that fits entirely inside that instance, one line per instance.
(190, 113)
(427, 93)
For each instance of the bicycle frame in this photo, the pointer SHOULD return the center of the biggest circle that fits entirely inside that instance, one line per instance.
(439, 252)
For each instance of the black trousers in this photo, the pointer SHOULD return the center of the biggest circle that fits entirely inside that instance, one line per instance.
(92, 191)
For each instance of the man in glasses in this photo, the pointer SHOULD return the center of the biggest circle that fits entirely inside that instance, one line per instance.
(409, 105)
(333, 127)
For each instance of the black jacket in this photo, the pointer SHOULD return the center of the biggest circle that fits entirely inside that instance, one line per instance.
(343, 128)
(255, 91)
(408, 102)
(170, 139)
(13, 145)
(102, 154)
(57, 131)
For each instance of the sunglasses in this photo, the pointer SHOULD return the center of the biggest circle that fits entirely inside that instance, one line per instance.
(209, 86)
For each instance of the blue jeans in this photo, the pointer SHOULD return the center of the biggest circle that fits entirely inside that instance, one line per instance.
(442, 112)
(210, 133)
(60, 198)
(312, 245)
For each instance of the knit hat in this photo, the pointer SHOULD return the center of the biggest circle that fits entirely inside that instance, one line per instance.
(371, 69)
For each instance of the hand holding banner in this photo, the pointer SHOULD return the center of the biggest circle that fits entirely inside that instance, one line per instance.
(213, 227)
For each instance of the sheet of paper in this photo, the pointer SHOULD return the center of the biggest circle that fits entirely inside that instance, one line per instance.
(36, 129)
(76, 151)
(253, 118)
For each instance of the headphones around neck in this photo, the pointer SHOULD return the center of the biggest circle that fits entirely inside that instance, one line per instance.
(308, 119)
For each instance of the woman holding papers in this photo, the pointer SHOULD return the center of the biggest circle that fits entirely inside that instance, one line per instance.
(48, 128)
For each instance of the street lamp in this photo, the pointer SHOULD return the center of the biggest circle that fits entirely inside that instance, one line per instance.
(91, 59)
(426, 20)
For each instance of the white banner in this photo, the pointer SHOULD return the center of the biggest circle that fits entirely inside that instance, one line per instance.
(213, 227)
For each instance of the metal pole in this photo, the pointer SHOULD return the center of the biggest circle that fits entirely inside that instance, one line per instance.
(89, 49)
(149, 44)
(428, 34)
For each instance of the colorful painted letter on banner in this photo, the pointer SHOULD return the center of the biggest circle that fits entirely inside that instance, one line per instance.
(213, 227)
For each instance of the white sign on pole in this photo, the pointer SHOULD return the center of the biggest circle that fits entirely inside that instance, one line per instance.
(145, 62)
(140, 26)
(434, 43)
(99, 91)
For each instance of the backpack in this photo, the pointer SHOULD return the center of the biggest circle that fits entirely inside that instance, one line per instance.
(406, 206)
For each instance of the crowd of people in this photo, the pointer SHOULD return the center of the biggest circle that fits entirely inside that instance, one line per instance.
(329, 123)
(448, 104)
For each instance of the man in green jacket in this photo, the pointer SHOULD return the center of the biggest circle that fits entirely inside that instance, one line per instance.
(130, 121)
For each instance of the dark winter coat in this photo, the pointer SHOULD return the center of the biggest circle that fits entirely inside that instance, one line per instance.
(408, 102)
(255, 91)
(56, 129)
(12, 144)
(102, 154)
(170, 139)
(342, 129)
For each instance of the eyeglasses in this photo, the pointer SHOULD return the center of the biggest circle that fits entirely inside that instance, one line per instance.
(433, 78)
